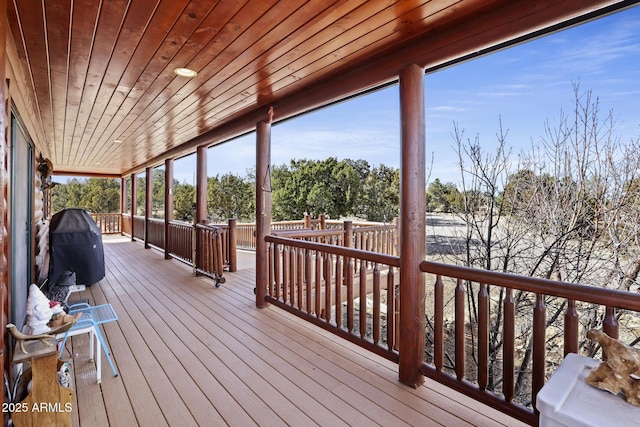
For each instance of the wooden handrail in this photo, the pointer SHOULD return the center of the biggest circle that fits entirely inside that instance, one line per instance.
(391, 260)
(571, 291)
(306, 233)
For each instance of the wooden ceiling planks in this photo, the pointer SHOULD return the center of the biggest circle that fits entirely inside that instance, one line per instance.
(245, 61)
(152, 86)
(102, 70)
(57, 41)
(109, 92)
(319, 52)
(245, 85)
(243, 29)
(148, 59)
(99, 49)
(83, 21)
(37, 71)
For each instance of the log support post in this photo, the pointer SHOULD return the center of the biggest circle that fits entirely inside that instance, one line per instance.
(201, 185)
(412, 225)
(123, 202)
(233, 244)
(168, 206)
(263, 209)
(148, 203)
(134, 204)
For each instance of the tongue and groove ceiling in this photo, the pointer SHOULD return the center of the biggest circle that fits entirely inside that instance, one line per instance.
(107, 101)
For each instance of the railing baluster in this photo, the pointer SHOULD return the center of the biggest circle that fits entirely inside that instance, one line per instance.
(610, 323)
(376, 303)
(460, 329)
(270, 274)
(276, 268)
(285, 273)
(508, 343)
(308, 274)
(363, 299)
(539, 342)
(483, 337)
(396, 321)
(350, 286)
(327, 286)
(300, 277)
(570, 328)
(391, 305)
(292, 275)
(209, 257)
(338, 299)
(438, 324)
(220, 245)
(318, 284)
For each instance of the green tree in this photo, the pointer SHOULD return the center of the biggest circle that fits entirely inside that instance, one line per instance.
(157, 193)
(101, 195)
(230, 196)
(184, 201)
(283, 190)
(442, 197)
(141, 194)
(325, 186)
(381, 194)
(97, 195)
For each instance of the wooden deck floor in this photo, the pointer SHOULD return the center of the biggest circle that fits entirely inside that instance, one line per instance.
(189, 354)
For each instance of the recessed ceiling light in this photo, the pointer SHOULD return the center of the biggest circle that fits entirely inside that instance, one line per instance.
(185, 72)
(117, 141)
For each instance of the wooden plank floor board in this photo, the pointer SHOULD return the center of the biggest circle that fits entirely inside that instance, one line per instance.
(239, 359)
(127, 397)
(391, 386)
(167, 395)
(357, 376)
(225, 364)
(188, 353)
(299, 397)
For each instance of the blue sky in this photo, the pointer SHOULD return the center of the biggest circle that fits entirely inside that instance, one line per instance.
(523, 86)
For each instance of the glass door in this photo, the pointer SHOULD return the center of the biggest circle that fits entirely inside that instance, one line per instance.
(21, 210)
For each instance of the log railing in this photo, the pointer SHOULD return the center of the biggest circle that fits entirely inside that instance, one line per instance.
(181, 241)
(330, 237)
(126, 224)
(138, 227)
(214, 250)
(515, 304)
(155, 236)
(109, 223)
(317, 281)
(374, 237)
(246, 235)
(247, 231)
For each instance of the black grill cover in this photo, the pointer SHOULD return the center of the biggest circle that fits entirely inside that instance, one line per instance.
(75, 244)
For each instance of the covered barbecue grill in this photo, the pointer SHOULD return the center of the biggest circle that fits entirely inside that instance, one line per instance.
(75, 244)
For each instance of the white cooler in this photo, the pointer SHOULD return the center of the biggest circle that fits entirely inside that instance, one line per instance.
(567, 400)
